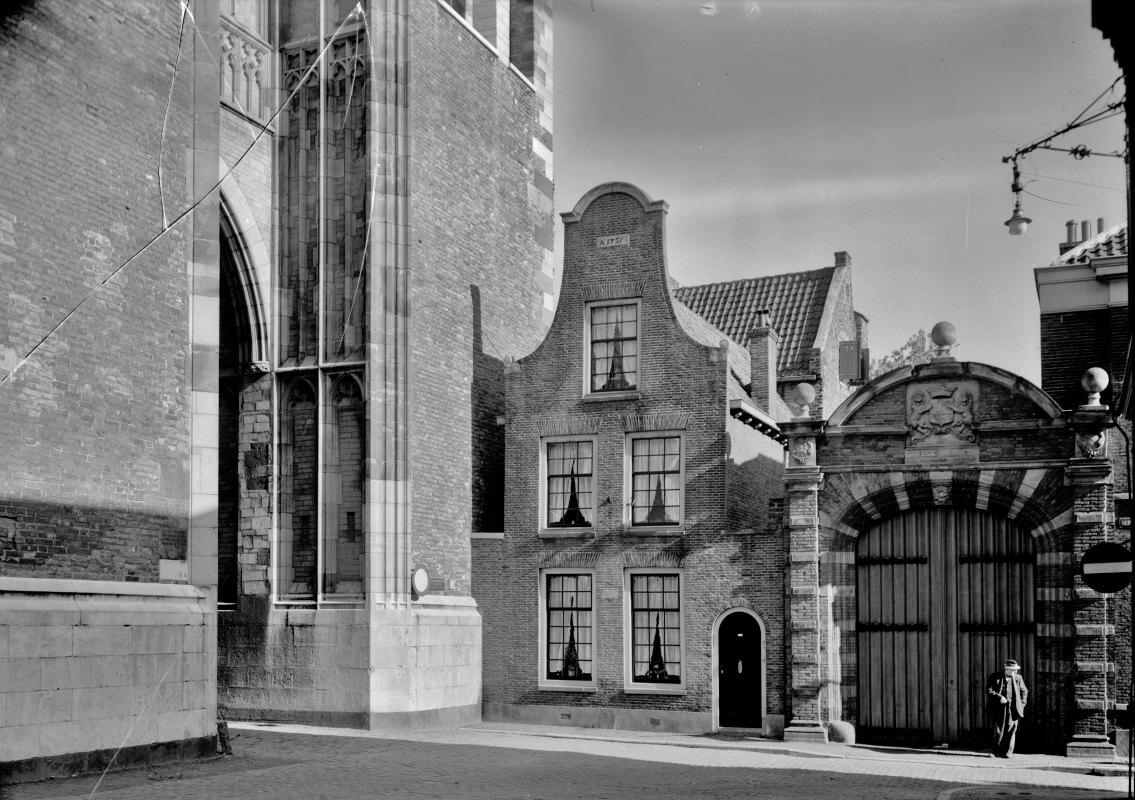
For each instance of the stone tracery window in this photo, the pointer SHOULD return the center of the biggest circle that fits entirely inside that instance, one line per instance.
(322, 316)
(296, 548)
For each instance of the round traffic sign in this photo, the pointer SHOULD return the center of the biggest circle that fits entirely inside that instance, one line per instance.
(1106, 567)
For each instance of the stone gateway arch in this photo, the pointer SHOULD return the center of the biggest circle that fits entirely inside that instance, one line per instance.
(935, 524)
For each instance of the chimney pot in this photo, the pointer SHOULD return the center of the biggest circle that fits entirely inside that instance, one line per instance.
(1070, 225)
(1099, 225)
(1085, 230)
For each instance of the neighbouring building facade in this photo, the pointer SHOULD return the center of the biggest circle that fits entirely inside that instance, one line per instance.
(640, 578)
(262, 263)
(1085, 319)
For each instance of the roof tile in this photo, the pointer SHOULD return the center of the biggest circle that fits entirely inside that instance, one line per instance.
(795, 301)
(1112, 242)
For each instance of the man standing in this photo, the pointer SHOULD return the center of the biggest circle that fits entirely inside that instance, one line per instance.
(1006, 696)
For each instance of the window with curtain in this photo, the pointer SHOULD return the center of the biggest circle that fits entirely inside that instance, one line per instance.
(656, 480)
(656, 628)
(569, 627)
(613, 336)
(570, 495)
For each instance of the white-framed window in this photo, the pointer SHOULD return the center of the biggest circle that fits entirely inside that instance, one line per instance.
(567, 630)
(612, 346)
(655, 480)
(654, 632)
(567, 471)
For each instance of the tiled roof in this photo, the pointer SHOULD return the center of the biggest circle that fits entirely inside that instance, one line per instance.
(795, 302)
(1112, 242)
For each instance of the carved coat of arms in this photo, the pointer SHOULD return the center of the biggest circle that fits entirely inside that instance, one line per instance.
(941, 413)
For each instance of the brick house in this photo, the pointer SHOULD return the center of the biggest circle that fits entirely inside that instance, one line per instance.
(261, 267)
(639, 580)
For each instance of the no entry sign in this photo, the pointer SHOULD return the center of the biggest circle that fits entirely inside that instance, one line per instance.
(1106, 567)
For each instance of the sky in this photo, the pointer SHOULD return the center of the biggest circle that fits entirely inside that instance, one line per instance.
(782, 131)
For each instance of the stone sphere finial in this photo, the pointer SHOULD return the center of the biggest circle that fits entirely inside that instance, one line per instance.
(807, 393)
(1095, 380)
(944, 335)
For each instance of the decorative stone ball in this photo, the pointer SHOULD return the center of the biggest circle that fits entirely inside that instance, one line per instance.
(1095, 380)
(944, 334)
(806, 392)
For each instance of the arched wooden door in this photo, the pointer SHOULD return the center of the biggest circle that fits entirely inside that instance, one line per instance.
(944, 596)
(739, 672)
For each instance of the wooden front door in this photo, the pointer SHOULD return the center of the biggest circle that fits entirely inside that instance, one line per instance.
(739, 672)
(944, 596)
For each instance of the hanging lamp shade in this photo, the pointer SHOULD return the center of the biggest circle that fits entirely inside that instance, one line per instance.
(1018, 223)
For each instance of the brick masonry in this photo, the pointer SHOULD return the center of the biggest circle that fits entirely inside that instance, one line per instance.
(96, 483)
(728, 548)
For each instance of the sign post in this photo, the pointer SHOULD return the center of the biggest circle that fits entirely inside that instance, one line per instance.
(1106, 567)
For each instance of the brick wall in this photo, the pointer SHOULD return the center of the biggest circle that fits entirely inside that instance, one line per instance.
(96, 482)
(1073, 341)
(475, 266)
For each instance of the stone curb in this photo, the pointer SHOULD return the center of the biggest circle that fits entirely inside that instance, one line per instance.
(1073, 767)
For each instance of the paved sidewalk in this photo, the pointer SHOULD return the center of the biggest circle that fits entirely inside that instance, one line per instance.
(819, 750)
(493, 761)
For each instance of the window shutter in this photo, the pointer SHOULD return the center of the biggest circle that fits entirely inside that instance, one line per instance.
(848, 361)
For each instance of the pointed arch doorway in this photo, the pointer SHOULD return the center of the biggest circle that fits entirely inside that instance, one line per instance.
(740, 671)
(944, 595)
(242, 344)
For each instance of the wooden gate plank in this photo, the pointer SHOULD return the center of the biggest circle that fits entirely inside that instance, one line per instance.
(974, 591)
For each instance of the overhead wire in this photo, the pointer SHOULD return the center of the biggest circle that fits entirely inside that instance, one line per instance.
(169, 102)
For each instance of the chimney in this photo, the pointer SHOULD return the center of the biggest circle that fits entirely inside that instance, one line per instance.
(843, 259)
(1070, 225)
(764, 347)
(1099, 225)
(1085, 231)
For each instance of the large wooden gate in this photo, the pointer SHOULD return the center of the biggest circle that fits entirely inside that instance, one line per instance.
(945, 595)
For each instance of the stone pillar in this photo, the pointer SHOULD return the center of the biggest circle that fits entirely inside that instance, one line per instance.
(388, 332)
(1089, 475)
(805, 606)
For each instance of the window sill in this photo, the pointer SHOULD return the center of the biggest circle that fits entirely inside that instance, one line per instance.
(599, 397)
(641, 688)
(586, 688)
(567, 533)
(653, 530)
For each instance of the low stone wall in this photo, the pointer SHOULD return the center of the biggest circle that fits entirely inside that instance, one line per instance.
(95, 671)
(377, 668)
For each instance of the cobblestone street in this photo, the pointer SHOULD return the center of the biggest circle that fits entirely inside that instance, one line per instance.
(501, 762)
